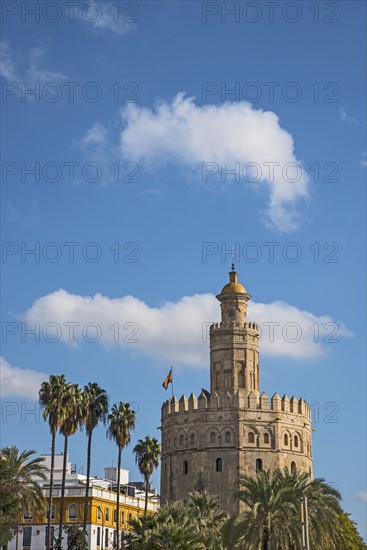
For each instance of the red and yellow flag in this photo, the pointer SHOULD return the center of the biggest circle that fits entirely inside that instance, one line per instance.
(167, 380)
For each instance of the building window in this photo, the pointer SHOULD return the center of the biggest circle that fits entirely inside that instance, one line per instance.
(107, 514)
(285, 439)
(192, 439)
(259, 464)
(27, 535)
(251, 437)
(227, 437)
(53, 512)
(106, 538)
(99, 513)
(181, 440)
(130, 516)
(293, 467)
(212, 437)
(98, 536)
(218, 465)
(185, 467)
(73, 512)
(122, 517)
(296, 440)
(266, 439)
(114, 539)
(115, 516)
(27, 514)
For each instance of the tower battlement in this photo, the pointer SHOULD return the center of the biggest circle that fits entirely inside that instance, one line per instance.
(237, 400)
(230, 325)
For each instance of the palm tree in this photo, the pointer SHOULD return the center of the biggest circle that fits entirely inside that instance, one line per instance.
(209, 518)
(71, 421)
(193, 525)
(20, 488)
(147, 452)
(52, 399)
(121, 421)
(95, 405)
(272, 520)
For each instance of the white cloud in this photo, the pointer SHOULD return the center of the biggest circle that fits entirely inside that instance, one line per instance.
(346, 118)
(106, 16)
(362, 497)
(94, 137)
(7, 64)
(17, 382)
(33, 72)
(228, 133)
(363, 161)
(176, 331)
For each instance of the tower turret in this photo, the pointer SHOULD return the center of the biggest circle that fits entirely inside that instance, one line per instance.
(234, 343)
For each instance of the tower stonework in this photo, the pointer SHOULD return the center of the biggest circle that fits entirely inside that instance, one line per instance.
(210, 441)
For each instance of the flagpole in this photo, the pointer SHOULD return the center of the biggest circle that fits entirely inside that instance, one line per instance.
(172, 379)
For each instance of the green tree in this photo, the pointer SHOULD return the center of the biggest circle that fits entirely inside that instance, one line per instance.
(147, 452)
(193, 525)
(73, 416)
(19, 488)
(52, 400)
(272, 520)
(121, 421)
(76, 538)
(95, 405)
(349, 531)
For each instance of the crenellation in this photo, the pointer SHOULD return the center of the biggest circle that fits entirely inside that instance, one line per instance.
(226, 401)
(173, 405)
(293, 405)
(202, 401)
(193, 402)
(253, 399)
(276, 403)
(183, 404)
(214, 401)
(285, 403)
(264, 401)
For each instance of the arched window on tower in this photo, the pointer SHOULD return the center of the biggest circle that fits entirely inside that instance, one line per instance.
(266, 438)
(259, 464)
(286, 439)
(251, 437)
(218, 465)
(212, 437)
(192, 439)
(185, 467)
(181, 440)
(227, 437)
(296, 443)
(293, 467)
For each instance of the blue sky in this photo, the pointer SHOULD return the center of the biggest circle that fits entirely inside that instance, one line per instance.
(139, 114)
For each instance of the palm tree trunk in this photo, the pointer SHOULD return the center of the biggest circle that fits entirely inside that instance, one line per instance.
(89, 452)
(118, 499)
(146, 495)
(62, 503)
(53, 444)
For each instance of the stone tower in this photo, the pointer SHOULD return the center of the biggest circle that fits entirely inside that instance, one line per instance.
(209, 441)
